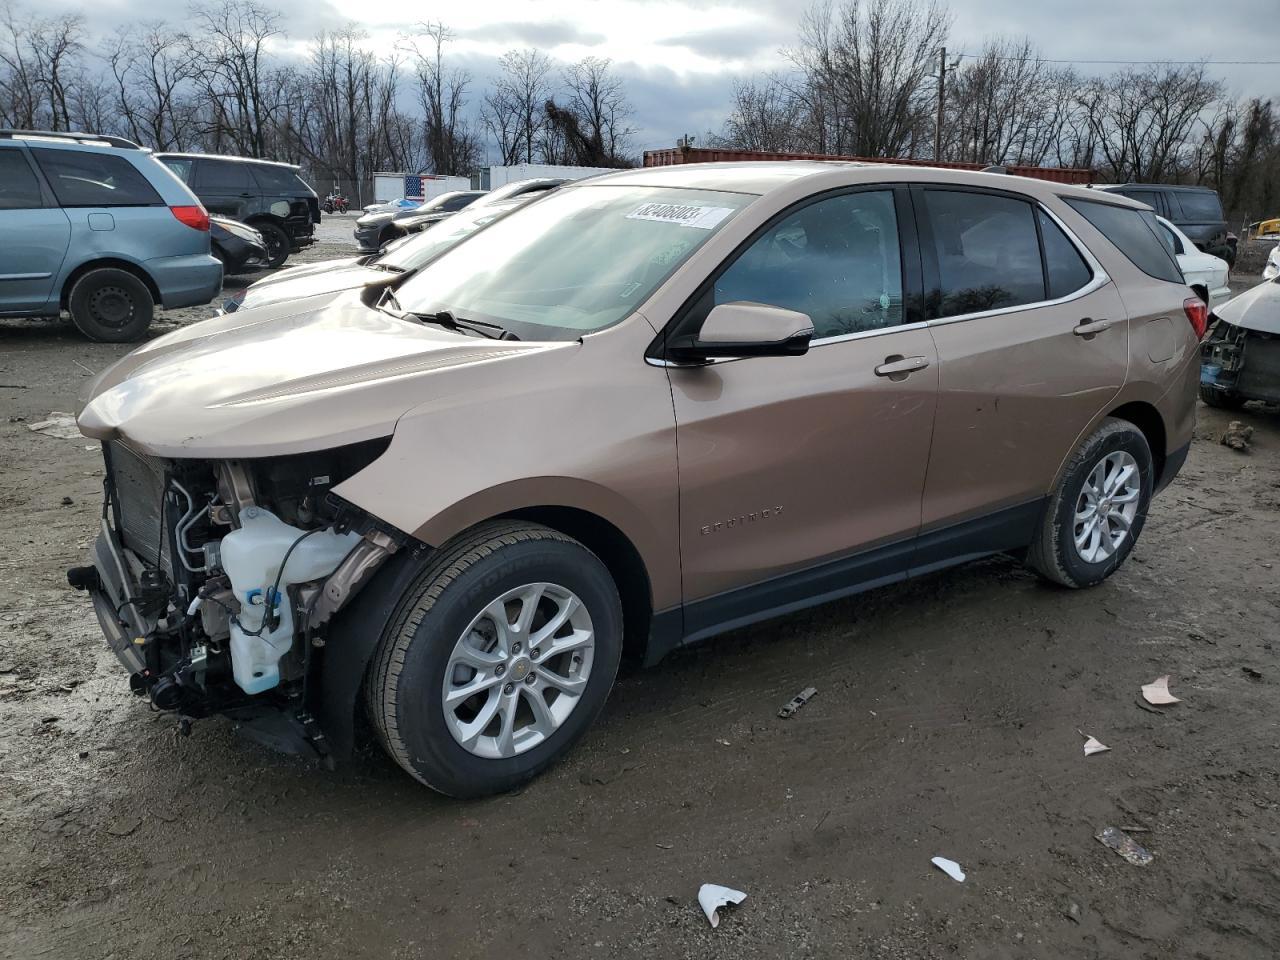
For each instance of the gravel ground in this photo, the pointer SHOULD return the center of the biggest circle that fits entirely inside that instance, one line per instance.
(946, 723)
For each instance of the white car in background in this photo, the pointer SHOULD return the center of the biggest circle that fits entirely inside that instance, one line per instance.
(1272, 269)
(1206, 274)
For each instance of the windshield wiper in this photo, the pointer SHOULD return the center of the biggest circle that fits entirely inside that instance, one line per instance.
(446, 319)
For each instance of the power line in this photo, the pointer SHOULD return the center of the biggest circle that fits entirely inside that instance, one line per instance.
(1136, 63)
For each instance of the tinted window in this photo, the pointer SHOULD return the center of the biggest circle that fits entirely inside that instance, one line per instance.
(1170, 239)
(278, 179)
(1142, 196)
(1199, 205)
(180, 166)
(836, 260)
(226, 175)
(94, 179)
(457, 203)
(1135, 233)
(1064, 266)
(19, 189)
(988, 252)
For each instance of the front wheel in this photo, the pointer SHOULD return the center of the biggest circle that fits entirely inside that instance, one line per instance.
(1097, 511)
(499, 656)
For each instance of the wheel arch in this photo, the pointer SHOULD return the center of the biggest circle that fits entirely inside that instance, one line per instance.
(1147, 418)
(107, 263)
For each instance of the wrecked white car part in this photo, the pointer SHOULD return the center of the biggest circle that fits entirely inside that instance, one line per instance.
(264, 559)
(949, 867)
(711, 897)
(1240, 359)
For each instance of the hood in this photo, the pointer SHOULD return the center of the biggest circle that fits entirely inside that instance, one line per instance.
(290, 378)
(290, 274)
(1256, 309)
(314, 284)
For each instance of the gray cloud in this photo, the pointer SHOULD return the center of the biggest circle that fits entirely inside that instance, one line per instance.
(541, 35)
(739, 42)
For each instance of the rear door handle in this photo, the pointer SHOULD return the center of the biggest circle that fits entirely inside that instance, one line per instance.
(897, 367)
(1088, 328)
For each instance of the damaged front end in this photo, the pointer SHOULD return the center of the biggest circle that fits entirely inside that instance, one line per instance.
(1239, 364)
(215, 581)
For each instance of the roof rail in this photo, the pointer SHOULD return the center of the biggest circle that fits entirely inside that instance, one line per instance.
(89, 139)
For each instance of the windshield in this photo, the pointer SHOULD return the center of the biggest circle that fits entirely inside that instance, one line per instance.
(419, 249)
(577, 261)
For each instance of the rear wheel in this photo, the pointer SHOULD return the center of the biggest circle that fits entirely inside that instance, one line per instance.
(1096, 514)
(277, 242)
(111, 306)
(499, 657)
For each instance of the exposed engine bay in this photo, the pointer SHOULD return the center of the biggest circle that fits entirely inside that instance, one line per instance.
(214, 581)
(1240, 364)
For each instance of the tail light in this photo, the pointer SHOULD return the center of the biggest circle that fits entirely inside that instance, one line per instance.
(1198, 313)
(197, 218)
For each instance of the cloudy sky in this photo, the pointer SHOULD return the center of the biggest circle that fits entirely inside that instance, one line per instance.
(679, 57)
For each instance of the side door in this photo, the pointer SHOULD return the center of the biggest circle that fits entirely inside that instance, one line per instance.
(1032, 342)
(801, 477)
(35, 235)
(226, 187)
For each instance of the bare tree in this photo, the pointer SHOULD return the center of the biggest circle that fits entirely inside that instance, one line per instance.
(766, 116)
(152, 68)
(452, 147)
(596, 97)
(514, 111)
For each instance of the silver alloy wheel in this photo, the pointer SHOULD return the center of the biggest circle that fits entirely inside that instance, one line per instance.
(518, 670)
(1107, 506)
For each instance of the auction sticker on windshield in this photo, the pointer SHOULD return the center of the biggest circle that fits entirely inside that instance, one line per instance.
(683, 214)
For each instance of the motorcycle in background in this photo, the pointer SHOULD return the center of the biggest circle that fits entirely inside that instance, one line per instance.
(335, 203)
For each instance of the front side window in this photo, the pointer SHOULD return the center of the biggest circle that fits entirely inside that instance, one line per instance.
(223, 175)
(83, 179)
(987, 251)
(19, 189)
(1135, 233)
(576, 261)
(1065, 269)
(836, 260)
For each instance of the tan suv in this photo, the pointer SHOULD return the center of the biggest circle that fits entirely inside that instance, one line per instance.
(649, 408)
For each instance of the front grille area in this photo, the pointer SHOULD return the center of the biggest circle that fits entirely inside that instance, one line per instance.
(138, 482)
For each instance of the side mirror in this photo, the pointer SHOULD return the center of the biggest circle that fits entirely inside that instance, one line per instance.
(745, 329)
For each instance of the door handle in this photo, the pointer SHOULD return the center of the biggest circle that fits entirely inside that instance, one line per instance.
(898, 367)
(1089, 328)
(247, 196)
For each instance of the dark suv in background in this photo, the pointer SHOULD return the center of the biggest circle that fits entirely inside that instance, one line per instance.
(268, 196)
(1196, 211)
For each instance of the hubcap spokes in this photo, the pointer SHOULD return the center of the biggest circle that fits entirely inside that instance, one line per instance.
(518, 670)
(1107, 506)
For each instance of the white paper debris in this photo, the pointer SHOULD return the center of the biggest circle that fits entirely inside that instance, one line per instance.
(57, 424)
(949, 867)
(1157, 692)
(712, 896)
(1092, 746)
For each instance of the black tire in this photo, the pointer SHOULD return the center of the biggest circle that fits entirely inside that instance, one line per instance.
(404, 689)
(1053, 553)
(277, 242)
(1221, 399)
(111, 306)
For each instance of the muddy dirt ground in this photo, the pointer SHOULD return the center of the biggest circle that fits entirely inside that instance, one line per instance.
(946, 723)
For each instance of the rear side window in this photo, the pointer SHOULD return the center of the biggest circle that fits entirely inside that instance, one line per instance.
(457, 203)
(181, 166)
(1136, 233)
(278, 179)
(1065, 268)
(987, 250)
(225, 175)
(19, 189)
(1199, 205)
(94, 179)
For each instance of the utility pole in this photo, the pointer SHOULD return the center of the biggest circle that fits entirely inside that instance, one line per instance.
(942, 99)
